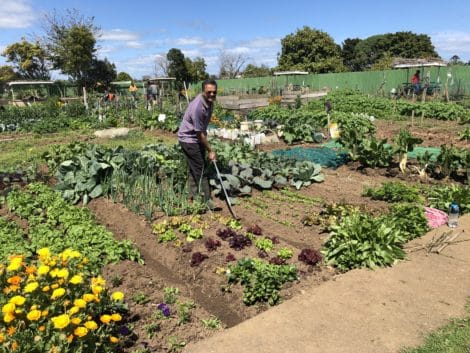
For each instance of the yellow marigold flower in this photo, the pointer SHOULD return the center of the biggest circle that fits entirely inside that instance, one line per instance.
(91, 325)
(70, 338)
(96, 289)
(73, 310)
(61, 321)
(117, 296)
(46, 289)
(84, 261)
(54, 272)
(54, 286)
(88, 297)
(43, 270)
(113, 339)
(8, 317)
(79, 303)
(57, 293)
(31, 287)
(116, 317)
(11, 330)
(17, 300)
(76, 321)
(105, 319)
(98, 281)
(77, 279)
(14, 266)
(2, 338)
(44, 252)
(34, 315)
(8, 308)
(44, 313)
(80, 331)
(63, 273)
(42, 328)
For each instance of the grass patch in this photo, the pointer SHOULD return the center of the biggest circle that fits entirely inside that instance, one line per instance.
(452, 338)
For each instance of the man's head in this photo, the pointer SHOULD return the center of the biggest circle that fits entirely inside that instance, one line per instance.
(209, 90)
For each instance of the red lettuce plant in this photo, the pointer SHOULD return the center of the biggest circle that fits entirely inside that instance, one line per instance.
(310, 256)
(197, 258)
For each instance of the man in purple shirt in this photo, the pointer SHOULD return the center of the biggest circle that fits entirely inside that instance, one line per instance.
(192, 136)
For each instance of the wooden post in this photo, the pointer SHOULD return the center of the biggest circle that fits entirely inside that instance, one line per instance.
(422, 117)
(85, 102)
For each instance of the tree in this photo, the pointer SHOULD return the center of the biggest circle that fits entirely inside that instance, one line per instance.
(197, 69)
(161, 66)
(177, 67)
(71, 43)
(251, 70)
(397, 45)
(29, 60)
(347, 53)
(124, 76)
(7, 74)
(455, 60)
(101, 71)
(231, 64)
(310, 50)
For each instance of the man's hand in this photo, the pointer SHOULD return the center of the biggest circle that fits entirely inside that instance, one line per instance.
(211, 156)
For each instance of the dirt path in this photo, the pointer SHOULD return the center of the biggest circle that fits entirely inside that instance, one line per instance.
(361, 311)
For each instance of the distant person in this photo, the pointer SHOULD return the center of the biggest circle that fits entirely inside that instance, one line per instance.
(133, 90)
(416, 82)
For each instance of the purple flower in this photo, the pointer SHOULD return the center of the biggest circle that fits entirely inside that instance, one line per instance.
(124, 330)
(164, 308)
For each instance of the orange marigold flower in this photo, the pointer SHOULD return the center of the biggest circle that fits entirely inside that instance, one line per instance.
(15, 280)
(42, 328)
(30, 269)
(14, 345)
(11, 330)
(113, 339)
(70, 338)
(2, 338)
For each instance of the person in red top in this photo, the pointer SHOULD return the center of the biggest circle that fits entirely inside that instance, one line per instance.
(415, 81)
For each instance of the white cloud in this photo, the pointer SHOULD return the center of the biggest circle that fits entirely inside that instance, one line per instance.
(135, 44)
(104, 51)
(188, 41)
(455, 42)
(119, 35)
(191, 53)
(238, 50)
(16, 14)
(214, 44)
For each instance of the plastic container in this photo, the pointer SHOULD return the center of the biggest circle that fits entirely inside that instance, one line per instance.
(258, 124)
(246, 125)
(454, 211)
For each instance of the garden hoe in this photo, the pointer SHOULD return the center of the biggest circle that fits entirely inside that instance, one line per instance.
(227, 199)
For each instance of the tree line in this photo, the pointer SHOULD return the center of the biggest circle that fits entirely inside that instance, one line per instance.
(69, 45)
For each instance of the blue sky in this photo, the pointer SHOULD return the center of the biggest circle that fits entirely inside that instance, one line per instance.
(136, 32)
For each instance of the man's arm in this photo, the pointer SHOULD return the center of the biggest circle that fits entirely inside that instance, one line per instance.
(202, 137)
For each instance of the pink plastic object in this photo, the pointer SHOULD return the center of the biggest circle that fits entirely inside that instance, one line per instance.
(436, 218)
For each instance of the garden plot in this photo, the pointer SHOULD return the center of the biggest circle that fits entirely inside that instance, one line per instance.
(301, 224)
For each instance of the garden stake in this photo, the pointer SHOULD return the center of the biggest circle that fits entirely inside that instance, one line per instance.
(227, 199)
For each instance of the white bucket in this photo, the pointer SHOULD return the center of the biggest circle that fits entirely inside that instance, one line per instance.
(246, 125)
(161, 118)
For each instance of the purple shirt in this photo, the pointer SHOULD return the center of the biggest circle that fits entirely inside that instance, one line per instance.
(196, 118)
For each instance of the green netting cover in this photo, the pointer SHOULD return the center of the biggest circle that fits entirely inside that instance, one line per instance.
(324, 156)
(417, 151)
(331, 155)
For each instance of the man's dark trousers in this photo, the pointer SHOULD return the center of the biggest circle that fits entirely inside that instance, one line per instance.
(195, 154)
